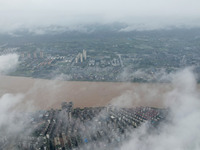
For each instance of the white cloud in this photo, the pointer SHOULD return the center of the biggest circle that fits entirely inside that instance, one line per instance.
(140, 14)
(182, 131)
(9, 102)
(8, 63)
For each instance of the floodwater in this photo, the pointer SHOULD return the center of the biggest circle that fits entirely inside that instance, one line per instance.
(45, 94)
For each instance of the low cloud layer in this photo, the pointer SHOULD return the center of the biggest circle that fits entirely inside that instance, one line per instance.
(12, 122)
(8, 63)
(181, 132)
(138, 14)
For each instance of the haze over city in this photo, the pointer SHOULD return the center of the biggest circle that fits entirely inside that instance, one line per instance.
(75, 14)
(101, 75)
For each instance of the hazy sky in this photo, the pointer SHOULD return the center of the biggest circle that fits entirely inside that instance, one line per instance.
(137, 13)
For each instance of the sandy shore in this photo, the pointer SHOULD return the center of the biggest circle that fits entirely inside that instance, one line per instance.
(44, 94)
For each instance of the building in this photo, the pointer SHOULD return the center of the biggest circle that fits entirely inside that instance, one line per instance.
(84, 54)
(76, 60)
(81, 57)
(35, 55)
(41, 55)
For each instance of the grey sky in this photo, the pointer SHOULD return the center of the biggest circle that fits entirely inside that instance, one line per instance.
(138, 14)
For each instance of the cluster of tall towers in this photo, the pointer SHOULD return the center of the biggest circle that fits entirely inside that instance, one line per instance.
(33, 55)
(81, 57)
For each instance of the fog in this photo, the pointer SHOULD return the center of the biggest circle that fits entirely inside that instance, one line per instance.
(179, 132)
(12, 122)
(137, 14)
(8, 63)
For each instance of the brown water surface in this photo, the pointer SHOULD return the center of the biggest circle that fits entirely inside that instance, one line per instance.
(45, 94)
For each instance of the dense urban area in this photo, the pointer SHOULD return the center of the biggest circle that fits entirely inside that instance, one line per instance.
(104, 54)
(81, 128)
(99, 74)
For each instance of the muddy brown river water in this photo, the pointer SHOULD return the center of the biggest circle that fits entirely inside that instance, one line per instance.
(45, 94)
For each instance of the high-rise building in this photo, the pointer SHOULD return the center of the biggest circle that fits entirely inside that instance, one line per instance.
(81, 57)
(35, 55)
(41, 55)
(84, 54)
(76, 59)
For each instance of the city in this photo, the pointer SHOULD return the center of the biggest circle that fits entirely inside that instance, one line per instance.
(82, 128)
(133, 56)
(99, 75)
